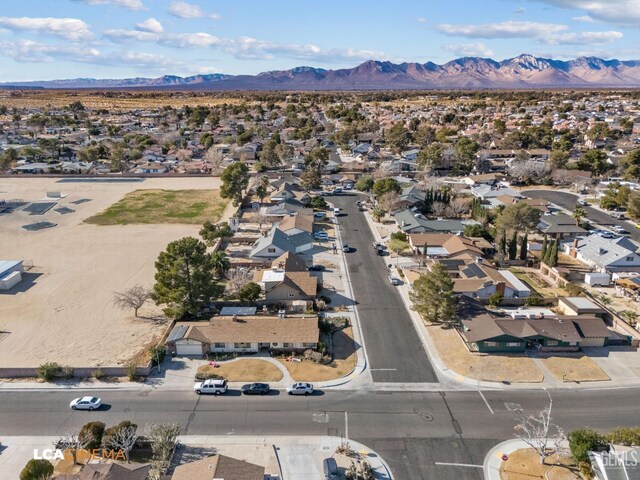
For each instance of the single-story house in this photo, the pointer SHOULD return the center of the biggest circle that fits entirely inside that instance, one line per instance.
(244, 334)
(447, 244)
(559, 226)
(277, 242)
(219, 467)
(410, 222)
(605, 254)
(110, 471)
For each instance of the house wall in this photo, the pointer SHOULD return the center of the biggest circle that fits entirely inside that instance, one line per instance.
(285, 292)
(593, 342)
(276, 346)
(304, 248)
(502, 344)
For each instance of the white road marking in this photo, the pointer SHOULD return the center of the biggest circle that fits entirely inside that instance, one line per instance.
(486, 403)
(383, 369)
(346, 425)
(458, 465)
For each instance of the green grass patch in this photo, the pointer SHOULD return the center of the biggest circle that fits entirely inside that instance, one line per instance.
(163, 206)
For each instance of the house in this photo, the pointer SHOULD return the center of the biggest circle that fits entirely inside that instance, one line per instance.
(244, 334)
(606, 255)
(559, 226)
(290, 191)
(297, 223)
(285, 207)
(485, 332)
(488, 194)
(277, 242)
(110, 471)
(443, 245)
(409, 197)
(289, 262)
(579, 306)
(287, 280)
(410, 222)
(218, 467)
(150, 167)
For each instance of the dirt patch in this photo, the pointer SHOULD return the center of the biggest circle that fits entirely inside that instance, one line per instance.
(163, 206)
(245, 371)
(572, 369)
(492, 368)
(344, 361)
(525, 465)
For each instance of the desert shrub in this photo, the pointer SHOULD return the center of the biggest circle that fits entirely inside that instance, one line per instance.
(624, 436)
(573, 290)
(157, 353)
(132, 371)
(48, 371)
(37, 470)
(533, 300)
(66, 372)
(399, 236)
(207, 372)
(98, 374)
(495, 299)
(93, 430)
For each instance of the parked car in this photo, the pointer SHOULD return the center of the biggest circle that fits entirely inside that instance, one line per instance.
(321, 235)
(393, 280)
(346, 248)
(215, 387)
(606, 234)
(255, 389)
(319, 215)
(336, 212)
(317, 268)
(337, 190)
(620, 230)
(617, 215)
(583, 203)
(330, 468)
(86, 403)
(300, 388)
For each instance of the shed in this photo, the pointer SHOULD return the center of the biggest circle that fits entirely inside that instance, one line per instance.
(596, 278)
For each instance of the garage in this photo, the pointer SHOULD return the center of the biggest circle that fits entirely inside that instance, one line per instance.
(188, 347)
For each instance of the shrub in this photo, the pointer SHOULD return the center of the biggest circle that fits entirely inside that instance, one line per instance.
(66, 372)
(586, 470)
(157, 353)
(399, 236)
(48, 371)
(132, 371)
(250, 292)
(318, 203)
(582, 441)
(624, 436)
(495, 299)
(98, 374)
(207, 373)
(37, 470)
(111, 432)
(93, 430)
(533, 300)
(573, 290)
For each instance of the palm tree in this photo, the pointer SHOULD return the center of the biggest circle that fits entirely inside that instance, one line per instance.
(578, 214)
(220, 263)
(630, 316)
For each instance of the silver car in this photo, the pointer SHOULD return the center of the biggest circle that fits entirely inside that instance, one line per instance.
(86, 403)
(300, 388)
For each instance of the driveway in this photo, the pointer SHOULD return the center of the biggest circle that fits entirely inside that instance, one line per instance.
(568, 201)
(394, 349)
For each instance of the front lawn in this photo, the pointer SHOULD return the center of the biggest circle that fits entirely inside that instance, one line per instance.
(244, 371)
(163, 206)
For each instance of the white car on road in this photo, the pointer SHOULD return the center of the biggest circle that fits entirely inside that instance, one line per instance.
(216, 387)
(300, 388)
(86, 403)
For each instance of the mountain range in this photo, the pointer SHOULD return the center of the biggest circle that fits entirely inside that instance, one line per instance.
(523, 71)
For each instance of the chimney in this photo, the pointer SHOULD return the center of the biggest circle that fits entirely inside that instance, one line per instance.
(500, 286)
(403, 223)
(573, 253)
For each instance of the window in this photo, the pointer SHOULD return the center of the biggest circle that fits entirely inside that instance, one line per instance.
(490, 344)
(629, 259)
(513, 344)
(219, 345)
(309, 345)
(287, 345)
(271, 250)
(292, 294)
(242, 345)
(552, 343)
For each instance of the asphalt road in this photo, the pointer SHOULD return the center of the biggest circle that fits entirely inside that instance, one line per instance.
(414, 432)
(395, 352)
(568, 201)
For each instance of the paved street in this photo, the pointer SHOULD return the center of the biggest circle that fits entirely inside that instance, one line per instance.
(393, 347)
(412, 431)
(568, 201)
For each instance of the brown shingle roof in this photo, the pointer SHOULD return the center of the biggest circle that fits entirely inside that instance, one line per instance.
(110, 471)
(303, 281)
(252, 329)
(289, 262)
(299, 220)
(219, 467)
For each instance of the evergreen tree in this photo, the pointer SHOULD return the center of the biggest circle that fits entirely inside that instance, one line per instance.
(553, 256)
(503, 243)
(432, 295)
(523, 247)
(543, 252)
(513, 246)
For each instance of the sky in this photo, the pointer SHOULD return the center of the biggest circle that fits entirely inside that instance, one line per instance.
(55, 39)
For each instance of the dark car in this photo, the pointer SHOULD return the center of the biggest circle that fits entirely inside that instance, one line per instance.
(330, 468)
(255, 389)
(317, 268)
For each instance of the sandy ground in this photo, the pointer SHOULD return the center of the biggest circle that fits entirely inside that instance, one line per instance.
(525, 465)
(62, 310)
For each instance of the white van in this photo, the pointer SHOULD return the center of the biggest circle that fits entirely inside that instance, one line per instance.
(212, 386)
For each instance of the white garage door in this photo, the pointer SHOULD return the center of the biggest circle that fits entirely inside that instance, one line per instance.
(186, 349)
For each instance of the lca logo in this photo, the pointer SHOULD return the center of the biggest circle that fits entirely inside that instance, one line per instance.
(81, 454)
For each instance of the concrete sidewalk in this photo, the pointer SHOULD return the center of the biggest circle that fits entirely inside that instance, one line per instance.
(493, 458)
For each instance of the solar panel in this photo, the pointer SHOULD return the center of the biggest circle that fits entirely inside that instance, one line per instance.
(64, 210)
(33, 227)
(82, 200)
(474, 270)
(39, 208)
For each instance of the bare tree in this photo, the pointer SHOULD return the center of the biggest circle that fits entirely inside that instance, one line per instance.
(262, 218)
(539, 433)
(388, 201)
(184, 155)
(123, 438)
(382, 172)
(527, 171)
(163, 439)
(236, 279)
(459, 206)
(438, 208)
(215, 158)
(72, 443)
(134, 297)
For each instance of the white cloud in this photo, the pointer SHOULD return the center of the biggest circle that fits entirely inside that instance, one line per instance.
(583, 19)
(623, 12)
(150, 25)
(182, 9)
(475, 49)
(422, 20)
(583, 38)
(70, 28)
(178, 40)
(508, 29)
(130, 4)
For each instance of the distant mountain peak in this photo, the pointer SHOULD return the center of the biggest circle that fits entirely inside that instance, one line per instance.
(523, 71)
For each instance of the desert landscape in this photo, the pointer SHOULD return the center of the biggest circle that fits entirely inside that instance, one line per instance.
(63, 310)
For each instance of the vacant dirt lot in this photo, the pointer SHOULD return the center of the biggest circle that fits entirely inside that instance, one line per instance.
(492, 368)
(62, 311)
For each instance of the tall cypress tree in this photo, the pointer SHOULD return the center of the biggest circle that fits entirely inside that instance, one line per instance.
(503, 243)
(543, 253)
(553, 256)
(513, 246)
(523, 247)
